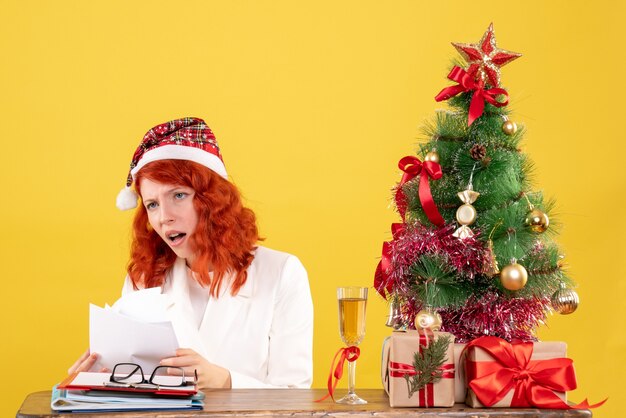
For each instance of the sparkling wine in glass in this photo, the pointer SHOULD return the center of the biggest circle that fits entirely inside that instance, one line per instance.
(352, 303)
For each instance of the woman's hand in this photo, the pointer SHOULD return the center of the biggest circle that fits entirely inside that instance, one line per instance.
(209, 375)
(85, 363)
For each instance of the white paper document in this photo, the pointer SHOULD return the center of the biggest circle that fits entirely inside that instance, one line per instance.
(136, 329)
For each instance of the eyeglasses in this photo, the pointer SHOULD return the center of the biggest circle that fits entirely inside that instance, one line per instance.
(131, 375)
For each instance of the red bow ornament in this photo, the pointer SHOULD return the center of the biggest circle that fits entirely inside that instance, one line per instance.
(412, 167)
(382, 278)
(535, 383)
(467, 82)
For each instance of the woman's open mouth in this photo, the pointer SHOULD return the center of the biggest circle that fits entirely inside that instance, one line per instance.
(175, 238)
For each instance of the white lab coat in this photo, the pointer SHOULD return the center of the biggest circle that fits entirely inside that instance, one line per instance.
(263, 335)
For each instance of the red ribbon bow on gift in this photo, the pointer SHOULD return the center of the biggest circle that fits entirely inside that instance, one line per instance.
(533, 381)
(413, 167)
(467, 83)
(382, 281)
(346, 353)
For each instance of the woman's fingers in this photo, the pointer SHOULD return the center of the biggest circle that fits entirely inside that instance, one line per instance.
(87, 364)
(187, 360)
(85, 359)
(176, 371)
(209, 375)
(180, 361)
(185, 352)
(77, 363)
(172, 371)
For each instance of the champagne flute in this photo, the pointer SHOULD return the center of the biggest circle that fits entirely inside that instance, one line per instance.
(352, 302)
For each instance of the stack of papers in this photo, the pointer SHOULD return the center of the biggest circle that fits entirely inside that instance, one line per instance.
(88, 392)
(136, 329)
(81, 401)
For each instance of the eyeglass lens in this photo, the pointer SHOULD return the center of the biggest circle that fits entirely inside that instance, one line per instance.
(127, 373)
(160, 376)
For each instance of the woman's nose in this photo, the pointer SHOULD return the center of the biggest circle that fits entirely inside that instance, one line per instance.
(166, 214)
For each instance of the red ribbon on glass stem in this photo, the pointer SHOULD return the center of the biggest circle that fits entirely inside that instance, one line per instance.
(345, 353)
(533, 381)
(466, 83)
(412, 167)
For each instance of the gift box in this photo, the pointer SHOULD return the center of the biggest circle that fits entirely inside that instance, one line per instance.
(399, 375)
(460, 388)
(504, 375)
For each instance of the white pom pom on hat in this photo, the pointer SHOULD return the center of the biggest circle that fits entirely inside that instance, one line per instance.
(180, 139)
(126, 199)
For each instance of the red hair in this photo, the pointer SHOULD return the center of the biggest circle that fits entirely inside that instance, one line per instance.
(224, 238)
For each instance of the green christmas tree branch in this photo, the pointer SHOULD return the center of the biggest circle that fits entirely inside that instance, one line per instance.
(427, 363)
(436, 284)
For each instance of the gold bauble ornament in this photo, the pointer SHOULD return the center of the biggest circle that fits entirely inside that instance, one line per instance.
(537, 220)
(427, 319)
(514, 276)
(564, 301)
(509, 127)
(432, 156)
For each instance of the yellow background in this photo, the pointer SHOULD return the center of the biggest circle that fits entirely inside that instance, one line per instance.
(313, 103)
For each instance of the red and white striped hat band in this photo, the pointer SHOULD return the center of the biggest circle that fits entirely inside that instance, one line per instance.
(180, 139)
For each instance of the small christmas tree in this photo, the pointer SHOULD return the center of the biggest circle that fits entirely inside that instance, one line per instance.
(474, 254)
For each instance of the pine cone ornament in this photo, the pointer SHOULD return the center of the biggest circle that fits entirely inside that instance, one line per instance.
(478, 152)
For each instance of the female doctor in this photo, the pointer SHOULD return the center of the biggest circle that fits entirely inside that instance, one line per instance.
(242, 312)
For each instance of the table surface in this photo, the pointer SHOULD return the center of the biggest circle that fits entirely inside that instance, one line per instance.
(298, 403)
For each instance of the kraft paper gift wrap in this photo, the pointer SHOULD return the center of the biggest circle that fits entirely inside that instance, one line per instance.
(400, 349)
(541, 351)
(460, 388)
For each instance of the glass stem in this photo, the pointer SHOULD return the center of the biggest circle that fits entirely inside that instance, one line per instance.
(351, 377)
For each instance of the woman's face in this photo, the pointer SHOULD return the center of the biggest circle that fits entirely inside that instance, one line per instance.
(171, 214)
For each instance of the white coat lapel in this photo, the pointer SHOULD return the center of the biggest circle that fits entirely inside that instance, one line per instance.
(181, 311)
(225, 315)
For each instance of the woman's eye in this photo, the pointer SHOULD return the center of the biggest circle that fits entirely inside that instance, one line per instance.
(180, 195)
(151, 205)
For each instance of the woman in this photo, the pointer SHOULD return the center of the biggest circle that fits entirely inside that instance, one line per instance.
(243, 312)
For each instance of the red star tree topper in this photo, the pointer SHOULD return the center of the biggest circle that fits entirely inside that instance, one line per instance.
(485, 58)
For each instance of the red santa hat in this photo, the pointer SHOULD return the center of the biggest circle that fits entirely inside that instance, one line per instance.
(180, 139)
